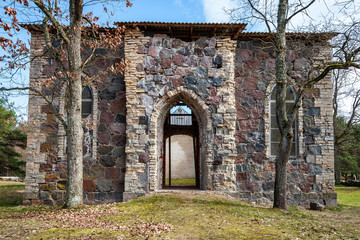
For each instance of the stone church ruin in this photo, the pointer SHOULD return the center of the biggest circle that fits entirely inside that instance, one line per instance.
(225, 77)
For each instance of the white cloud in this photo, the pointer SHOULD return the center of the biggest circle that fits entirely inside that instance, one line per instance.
(214, 10)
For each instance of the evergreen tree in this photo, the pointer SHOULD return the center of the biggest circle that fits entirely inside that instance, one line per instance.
(349, 149)
(10, 137)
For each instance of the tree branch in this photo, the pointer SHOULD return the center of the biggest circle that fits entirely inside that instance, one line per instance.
(56, 113)
(300, 10)
(60, 29)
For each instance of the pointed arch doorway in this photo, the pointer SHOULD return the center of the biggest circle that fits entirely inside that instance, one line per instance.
(181, 149)
(202, 114)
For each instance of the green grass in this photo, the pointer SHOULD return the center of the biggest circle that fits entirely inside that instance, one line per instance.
(348, 196)
(181, 182)
(185, 215)
(11, 193)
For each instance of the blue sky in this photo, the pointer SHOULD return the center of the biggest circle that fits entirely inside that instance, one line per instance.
(174, 11)
(150, 10)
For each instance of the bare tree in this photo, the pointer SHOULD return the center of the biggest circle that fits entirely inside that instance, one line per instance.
(345, 89)
(68, 33)
(277, 20)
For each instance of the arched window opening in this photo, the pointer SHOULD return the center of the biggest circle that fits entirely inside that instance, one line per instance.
(274, 130)
(87, 102)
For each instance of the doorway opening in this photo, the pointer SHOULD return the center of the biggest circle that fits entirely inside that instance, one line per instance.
(181, 149)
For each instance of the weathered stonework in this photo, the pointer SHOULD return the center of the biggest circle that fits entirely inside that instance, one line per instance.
(226, 83)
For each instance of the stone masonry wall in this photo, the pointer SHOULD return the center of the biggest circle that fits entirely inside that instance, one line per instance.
(163, 71)
(226, 83)
(104, 146)
(310, 174)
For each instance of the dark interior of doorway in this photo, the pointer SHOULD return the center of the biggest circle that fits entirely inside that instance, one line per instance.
(180, 121)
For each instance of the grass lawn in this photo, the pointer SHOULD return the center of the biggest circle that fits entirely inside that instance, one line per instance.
(11, 193)
(181, 182)
(186, 215)
(348, 196)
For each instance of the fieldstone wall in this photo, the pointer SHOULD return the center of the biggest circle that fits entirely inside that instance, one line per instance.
(163, 71)
(226, 83)
(310, 174)
(104, 145)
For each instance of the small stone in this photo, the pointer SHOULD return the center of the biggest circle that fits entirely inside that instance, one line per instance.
(104, 137)
(206, 62)
(176, 43)
(202, 42)
(309, 140)
(107, 161)
(47, 187)
(120, 118)
(153, 51)
(176, 82)
(51, 177)
(259, 147)
(107, 117)
(112, 173)
(241, 113)
(217, 81)
(168, 72)
(150, 61)
(253, 64)
(213, 100)
(166, 63)
(315, 149)
(200, 73)
(107, 95)
(190, 61)
(212, 42)
(245, 54)
(89, 186)
(190, 80)
(316, 169)
(118, 106)
(118, 152)
(249, 83)
(165, 53)
(312, 131)
(258, 157)
(316, 206)
(313, 111)
(209, 51)
(217, 63)
(141, 49)
(45, 167)
(184, 51)
(103, 150)
(117, 128)
(178, 59)
(217, 118)
(143, 157)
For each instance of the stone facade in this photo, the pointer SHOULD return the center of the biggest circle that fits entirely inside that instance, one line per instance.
(226, 82)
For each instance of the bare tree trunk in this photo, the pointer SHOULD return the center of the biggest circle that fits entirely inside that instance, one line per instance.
(280, 177)
(337, 166)
(281, 113)
(74, 193)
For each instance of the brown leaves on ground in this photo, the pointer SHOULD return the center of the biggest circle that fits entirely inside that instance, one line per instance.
(93, 218)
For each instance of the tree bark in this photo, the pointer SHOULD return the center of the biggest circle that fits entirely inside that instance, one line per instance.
(280, 177)
(281, 113)
(74, 193)
(337, 167)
